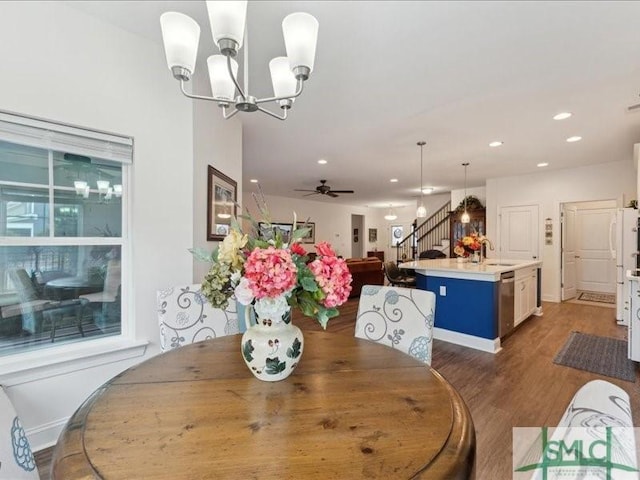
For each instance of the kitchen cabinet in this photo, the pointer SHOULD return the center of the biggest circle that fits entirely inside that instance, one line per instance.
(526, 283)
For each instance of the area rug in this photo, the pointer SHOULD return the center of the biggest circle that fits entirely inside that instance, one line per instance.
(603, 355)
(597, 297)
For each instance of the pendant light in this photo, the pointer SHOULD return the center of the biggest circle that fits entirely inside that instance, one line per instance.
(422, 211)
(390, 216)
(465, 216)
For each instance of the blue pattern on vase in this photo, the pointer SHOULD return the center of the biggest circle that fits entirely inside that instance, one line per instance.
(21, 450)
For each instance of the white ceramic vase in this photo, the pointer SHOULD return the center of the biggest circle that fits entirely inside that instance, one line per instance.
(272, 348)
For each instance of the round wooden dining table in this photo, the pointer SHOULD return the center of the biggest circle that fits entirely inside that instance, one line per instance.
(352, 409)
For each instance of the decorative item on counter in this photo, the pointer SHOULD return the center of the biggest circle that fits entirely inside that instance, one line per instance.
(471, 246)
(269, 276)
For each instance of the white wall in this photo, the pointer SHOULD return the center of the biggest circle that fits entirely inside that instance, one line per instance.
(64, 65)
(548, 189)
(217, 142)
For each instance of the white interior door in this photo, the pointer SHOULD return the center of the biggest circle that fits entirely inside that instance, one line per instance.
(519, 232)
(595, 269)
(568, 252)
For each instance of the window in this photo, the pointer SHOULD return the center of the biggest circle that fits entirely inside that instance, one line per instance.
(63, 242)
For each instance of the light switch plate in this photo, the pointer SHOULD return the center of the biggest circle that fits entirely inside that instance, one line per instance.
(443, 291)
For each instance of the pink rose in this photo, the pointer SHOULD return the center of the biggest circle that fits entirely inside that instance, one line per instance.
(323, 248)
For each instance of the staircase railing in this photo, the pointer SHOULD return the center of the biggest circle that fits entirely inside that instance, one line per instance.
(426, 235)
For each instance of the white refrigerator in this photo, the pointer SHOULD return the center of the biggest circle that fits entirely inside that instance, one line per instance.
(623, 242)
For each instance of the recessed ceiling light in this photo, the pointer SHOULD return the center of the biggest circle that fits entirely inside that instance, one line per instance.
(254, 180)
(562, 116)
(427, 190)
(574, 139)
(322, 161)
(543, 164)
(394, 180)
(496, 144)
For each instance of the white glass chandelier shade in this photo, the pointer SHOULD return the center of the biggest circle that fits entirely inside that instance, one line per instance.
(227, 20)
(222, 86)
(117, 190)
(282, 78)
(465, 216)
(180, 34)
(391, 215)
(80, 186)
(103, 186)
(300, 32)
(421, 212)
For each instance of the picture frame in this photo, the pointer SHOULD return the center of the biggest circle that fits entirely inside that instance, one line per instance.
(222, 198)
(396, 234)
(267, 233)
(311, 236)
(373, 235)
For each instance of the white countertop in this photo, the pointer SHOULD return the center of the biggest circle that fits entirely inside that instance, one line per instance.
(489, 270)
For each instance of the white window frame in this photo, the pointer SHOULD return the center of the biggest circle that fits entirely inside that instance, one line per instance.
(65, 358)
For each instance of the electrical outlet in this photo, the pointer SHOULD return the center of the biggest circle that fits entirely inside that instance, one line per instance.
(443, 291)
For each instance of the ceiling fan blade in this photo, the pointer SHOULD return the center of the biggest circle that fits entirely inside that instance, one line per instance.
(342, 191)
(332, 194)
(299, 190)
(309, 194)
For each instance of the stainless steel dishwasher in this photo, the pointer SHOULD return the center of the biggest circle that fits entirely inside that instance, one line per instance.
(506, 305)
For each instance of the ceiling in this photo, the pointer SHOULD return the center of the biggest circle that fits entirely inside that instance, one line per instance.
(455, 74)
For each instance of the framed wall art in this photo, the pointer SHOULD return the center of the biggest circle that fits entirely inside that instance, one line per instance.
(373, 235)
(222, 195)
(311, 236)
(396, 234)
(268, 232)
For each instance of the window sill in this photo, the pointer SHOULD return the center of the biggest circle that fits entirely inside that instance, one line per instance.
(50, 362)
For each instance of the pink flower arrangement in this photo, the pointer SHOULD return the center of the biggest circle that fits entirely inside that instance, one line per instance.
(270, 271)
(273, 274)
(332, 275)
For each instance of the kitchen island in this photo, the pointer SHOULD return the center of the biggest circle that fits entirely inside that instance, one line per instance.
(477, 304)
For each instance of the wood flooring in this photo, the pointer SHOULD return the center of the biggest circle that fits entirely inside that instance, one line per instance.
(518, 387)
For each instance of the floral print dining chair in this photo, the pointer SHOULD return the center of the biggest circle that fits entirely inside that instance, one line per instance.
(186, 316)
(16, 458)
(398, 317)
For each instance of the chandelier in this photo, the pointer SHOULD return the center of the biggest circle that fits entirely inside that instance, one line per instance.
(181, 34)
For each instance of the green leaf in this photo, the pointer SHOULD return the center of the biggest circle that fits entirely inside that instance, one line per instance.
(275, 366)
(247, 350)
(294, 350)
(300, 233)
(204, 255)
(309, 284)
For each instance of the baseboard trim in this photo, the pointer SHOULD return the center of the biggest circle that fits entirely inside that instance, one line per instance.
(470, 341)
(46, 435)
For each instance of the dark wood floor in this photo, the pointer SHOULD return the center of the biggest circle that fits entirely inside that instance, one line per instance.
(518, 387)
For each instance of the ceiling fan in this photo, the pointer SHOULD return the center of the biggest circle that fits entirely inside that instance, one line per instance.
(324, 189)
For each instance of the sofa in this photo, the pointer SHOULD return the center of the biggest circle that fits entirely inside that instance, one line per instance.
(364, 271)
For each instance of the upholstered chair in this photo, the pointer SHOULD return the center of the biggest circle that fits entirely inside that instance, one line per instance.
(16, 458)
(398, 317)
(185, 316)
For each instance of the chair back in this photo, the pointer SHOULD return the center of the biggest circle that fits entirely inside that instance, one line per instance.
(185, 316)
(16, 458)
(391, 270)
(23, 284)
(398, 317)
(112, 279)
